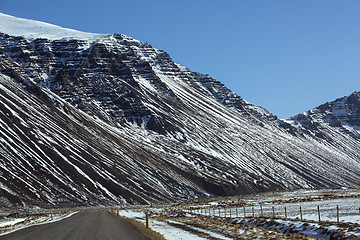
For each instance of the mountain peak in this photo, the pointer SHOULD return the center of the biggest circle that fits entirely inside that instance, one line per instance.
(342, 113)
(32, 29)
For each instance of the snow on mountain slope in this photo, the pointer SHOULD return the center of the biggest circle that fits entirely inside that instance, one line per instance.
(64, 157)
(111, 119)
(32, 29)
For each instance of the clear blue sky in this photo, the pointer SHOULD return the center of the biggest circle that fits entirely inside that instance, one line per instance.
(285, 55)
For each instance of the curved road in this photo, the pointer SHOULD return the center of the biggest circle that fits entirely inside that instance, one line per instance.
(83, 225)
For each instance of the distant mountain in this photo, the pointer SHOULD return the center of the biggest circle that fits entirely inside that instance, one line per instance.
(89, 119)
(342, 114)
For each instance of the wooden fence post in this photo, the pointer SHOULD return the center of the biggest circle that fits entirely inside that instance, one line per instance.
(147, 220)
(300, 214)
(230, 212)
(337, 214)
(244, 212)
(273, 211)
(261, 211)
(318, 209)
(253, 214)
(237, 213)
(285, 213)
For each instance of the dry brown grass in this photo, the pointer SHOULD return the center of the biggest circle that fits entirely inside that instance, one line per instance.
(142, 229)
(235, 231)
(30, 220)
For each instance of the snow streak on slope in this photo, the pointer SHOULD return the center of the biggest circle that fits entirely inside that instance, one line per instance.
(111, 119)
(54, 157)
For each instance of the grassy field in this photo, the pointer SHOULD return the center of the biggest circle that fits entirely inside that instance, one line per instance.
(315, 213)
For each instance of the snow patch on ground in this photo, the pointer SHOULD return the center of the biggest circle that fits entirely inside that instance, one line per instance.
(15, 224)
(207, 232)
(169, 232)
(11, 222)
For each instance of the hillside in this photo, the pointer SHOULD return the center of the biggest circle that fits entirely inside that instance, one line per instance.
(89, 119)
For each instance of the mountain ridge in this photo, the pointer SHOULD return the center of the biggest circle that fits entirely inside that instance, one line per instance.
(342, 113)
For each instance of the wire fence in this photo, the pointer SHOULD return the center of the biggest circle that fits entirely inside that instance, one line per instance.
(315, 213)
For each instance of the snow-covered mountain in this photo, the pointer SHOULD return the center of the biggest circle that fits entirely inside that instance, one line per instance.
(88, 119)
(342, 114)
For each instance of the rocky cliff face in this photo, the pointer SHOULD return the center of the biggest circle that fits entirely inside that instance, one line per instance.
(105, 119)
(342, 114)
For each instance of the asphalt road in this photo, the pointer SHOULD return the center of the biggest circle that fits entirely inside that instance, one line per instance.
(83, 225)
